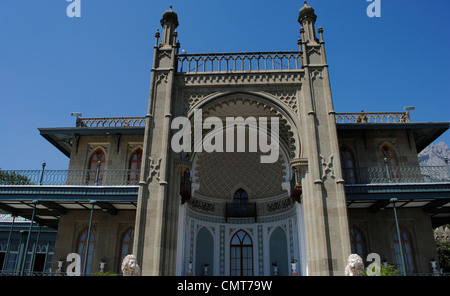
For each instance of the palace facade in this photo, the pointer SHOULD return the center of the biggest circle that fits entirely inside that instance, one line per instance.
(343, 183)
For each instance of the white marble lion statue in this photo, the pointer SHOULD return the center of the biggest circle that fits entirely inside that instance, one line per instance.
(130, 267)
(355, 266)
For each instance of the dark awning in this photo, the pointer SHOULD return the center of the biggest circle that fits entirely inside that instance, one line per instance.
(62, 137)
(424, 133)
(54, 201)
(432, 198)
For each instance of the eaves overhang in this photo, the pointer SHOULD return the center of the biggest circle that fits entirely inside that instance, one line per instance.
(424, 133)
(63, 137)
(432, 198)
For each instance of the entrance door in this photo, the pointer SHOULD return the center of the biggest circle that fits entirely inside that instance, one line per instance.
(241, 259)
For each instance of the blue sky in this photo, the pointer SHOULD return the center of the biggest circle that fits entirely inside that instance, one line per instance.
(99, 64)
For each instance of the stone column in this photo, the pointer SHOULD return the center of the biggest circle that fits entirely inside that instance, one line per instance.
(326, 225)
(337, 207)
(154, 235)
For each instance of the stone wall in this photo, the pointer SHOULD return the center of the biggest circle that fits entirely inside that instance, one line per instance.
(107, 229)
(366, 144)
(379, 228)
(117, 150)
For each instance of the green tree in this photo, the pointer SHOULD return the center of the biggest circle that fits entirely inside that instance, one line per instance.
(12, 178)
(107, 273)
(443, 250)
(388, 270)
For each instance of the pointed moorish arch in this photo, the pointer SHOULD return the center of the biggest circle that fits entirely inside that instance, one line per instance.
(289, 121)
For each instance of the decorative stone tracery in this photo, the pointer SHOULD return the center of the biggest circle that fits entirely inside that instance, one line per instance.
(219, 173)
(252, 105)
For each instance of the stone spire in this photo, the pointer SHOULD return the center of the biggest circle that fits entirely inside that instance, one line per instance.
(307, 19)
(169, 23)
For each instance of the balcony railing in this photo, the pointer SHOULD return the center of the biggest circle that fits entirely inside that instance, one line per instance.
(111, 122)
(364, 175)
(412, 174)
(241, 61)
(237, 210)
(70, 177)
(373, 117)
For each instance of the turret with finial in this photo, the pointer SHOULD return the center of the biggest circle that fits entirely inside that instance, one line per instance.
(307, 18)
(169, 22)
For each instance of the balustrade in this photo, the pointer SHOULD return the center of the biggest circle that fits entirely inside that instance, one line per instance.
(70, 177)
(410, 174)
(373, 117)
(244, 61)
(111, 122)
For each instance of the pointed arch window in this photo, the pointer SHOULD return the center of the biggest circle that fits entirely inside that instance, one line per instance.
(240, 207)
(126, 245)
(241, 254)
(408, 251)
(348, 164)
(135, 167)
(240, 197)
(96, 167)
(82, 244)
(358, 242)
(389, 159)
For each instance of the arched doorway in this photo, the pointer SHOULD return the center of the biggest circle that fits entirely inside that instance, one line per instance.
(96, 167)
(278, 252)
(135, 167)
(204, 256)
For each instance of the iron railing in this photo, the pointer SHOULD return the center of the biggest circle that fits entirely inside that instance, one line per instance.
(240, 61)
(373, 117)
(408, 174)
(111, 122)
(240, 210)
(70, 177)
(363, 175)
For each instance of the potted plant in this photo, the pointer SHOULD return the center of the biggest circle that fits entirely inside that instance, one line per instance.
(205, 269)
(60, 263)
(294, 267)
(275, 268)
(102, 264)
(190, 267)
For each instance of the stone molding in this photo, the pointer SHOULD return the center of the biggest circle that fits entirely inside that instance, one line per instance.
(240, 78)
